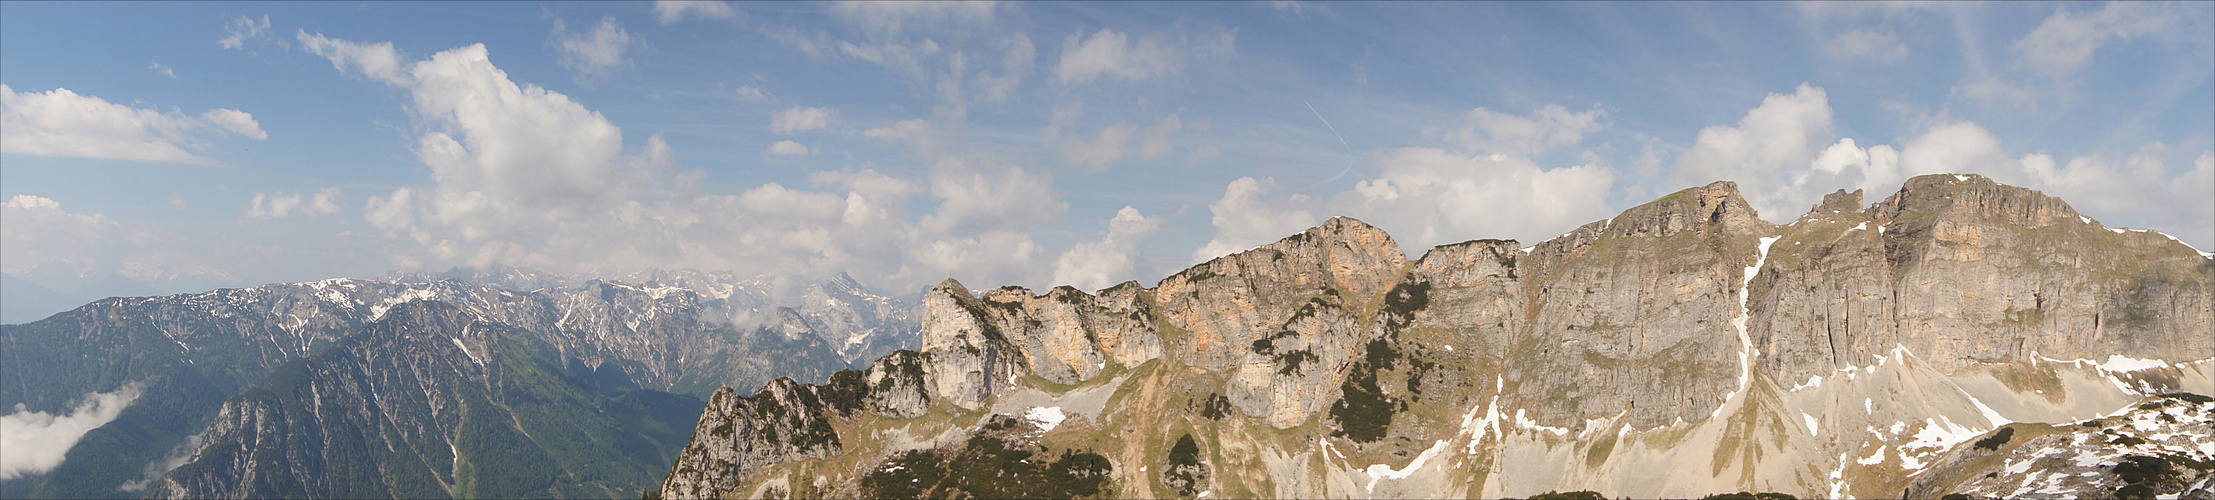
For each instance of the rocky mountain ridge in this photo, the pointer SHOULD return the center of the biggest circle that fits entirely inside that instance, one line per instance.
(1682, 348)
(194, 351)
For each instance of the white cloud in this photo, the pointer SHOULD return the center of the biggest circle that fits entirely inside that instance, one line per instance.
(238, 31)
(891, 18)
(1112, 54)
(595, 55)
(1248, 216)
(671, 11)
(751, 94)
(525, 176)
(1772, 143)
(378, 61)
(33, 442)
(1094, 265)
(788, 148)
(163, 70)
(1866, 44)
(991, 198)
(268, 206)
(2067, 40)
(63, 123)
(177, 201)
(36, 233)
(801, 119)
(1543, 129)
(1428, 196)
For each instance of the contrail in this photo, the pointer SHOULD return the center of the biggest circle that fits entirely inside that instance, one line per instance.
(1326, 123)
(1341, 142)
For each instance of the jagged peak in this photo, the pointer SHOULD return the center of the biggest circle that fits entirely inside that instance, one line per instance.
(949, 286)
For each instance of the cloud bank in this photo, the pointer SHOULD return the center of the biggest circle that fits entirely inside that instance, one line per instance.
(33, 442)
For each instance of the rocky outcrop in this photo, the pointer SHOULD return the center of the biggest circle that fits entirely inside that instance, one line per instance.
(1639, 316)
(1685, 322)
(1962, 270)
(1283, 320)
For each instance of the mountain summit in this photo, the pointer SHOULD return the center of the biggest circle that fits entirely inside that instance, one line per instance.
(1684, 347)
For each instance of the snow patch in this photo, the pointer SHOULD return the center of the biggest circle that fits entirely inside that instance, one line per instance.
(1046, 417)
(1813, 430)
(1960, 177)
(1861, 226)
(1521, 421)
(1745, 343)
(1874, 458)
(2087, 220)
(2120, 363)
(1381, 471)
(465, 350)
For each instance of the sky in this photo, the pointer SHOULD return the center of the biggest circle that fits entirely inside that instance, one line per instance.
(184, 146)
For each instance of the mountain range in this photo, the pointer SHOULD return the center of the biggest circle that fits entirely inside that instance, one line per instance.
(1959, 336)
(491, 382)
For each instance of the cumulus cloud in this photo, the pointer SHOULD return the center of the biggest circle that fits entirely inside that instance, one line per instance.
(158, 68)
(63, 123)
(989, 198)
(2067, 40)
(1428, 196)
(801, 119)
(787, 148)
(1865, 44)
(525, 176)
(238, 31)
(1546, 128)
(1773, 142)
(33, 442)
(267, 206)
(1249, 215)
(593, 55)
(1094, 265)
(1112, 54)
(671, 11)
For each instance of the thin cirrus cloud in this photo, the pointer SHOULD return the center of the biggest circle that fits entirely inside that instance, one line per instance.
(63, 123)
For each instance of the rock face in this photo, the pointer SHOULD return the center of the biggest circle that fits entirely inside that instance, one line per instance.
(1962, 270)
(1682, 348)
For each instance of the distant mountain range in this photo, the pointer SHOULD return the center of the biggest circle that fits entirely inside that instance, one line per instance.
(494, 382)
(1959, 337)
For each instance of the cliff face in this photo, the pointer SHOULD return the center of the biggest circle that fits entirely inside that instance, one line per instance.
(1682, 348)
(1962, 270)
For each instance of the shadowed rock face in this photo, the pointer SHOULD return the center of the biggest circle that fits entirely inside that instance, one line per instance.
(1682, 311)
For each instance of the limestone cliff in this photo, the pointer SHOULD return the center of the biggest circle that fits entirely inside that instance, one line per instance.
(1681, 348)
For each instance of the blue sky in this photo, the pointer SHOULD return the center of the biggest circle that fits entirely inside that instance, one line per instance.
(189, 145)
